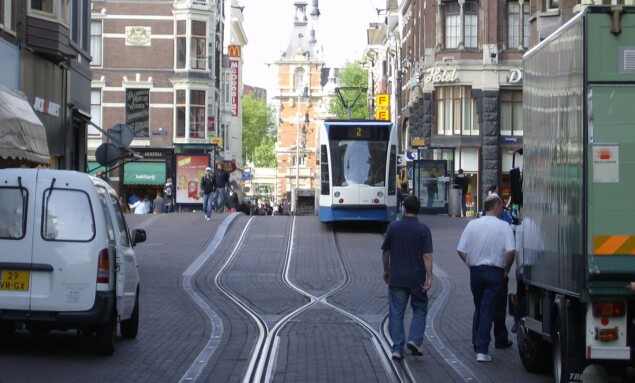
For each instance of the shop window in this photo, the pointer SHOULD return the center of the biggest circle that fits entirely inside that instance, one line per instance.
(511, 112)
(456, 112)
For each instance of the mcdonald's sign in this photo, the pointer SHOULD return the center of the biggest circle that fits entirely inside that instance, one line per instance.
(233, 50)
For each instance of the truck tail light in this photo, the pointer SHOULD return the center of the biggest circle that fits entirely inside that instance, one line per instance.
(103, 267)
(606, 334)
(609, 309)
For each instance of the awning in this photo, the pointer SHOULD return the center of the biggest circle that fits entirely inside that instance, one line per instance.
(144, 173)
(23, 135)
(94, 167)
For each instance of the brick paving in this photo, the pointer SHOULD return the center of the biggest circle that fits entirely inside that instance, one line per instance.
(319, 345)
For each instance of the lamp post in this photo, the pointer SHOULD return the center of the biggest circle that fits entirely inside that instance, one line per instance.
(303, 93)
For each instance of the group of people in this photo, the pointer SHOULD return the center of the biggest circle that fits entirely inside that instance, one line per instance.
(162, 203)
(214, 192)
(486, 246)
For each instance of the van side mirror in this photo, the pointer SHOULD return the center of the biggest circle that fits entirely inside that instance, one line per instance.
(138, 236)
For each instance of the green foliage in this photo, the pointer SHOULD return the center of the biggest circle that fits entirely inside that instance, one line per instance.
(355, 77)
(258, 127)
(265, 154)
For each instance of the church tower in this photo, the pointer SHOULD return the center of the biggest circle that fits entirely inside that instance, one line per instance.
(298, 99)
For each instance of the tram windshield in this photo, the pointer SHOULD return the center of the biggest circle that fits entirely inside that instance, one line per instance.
(357, 162)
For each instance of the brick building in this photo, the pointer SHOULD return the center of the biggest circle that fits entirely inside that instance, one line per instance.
(157, 68)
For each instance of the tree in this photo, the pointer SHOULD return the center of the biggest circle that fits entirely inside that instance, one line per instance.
(355, 78)
(258, 128)
(265, 154)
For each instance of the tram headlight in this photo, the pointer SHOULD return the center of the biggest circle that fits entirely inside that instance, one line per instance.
(336, 194)
(380, 194)
(376, 200)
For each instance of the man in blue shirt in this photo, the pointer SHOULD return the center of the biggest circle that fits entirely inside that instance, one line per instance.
(407, 258)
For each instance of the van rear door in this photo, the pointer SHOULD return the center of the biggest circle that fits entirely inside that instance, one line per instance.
(66, 241)
(17, 194)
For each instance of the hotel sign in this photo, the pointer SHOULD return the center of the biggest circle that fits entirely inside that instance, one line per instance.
(436, 75)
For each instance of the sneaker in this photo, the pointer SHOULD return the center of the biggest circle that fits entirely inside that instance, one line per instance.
(396, 355)
(207, 218)
(483, 358)
(416, 351)
(505, 344)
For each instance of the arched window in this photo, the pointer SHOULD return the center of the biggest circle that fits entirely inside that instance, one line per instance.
(298, 80)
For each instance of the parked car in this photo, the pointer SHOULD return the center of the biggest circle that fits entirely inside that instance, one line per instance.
(66, 256)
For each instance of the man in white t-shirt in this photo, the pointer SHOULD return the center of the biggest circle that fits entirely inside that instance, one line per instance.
(488, 247)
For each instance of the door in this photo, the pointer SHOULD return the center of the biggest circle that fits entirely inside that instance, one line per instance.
(17, 196)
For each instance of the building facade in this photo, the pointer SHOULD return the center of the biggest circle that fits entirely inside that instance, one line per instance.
(157, 70)
(299, 78)
(45, 79)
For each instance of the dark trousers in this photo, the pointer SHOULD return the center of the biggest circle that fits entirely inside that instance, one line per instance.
(500, 330)
(486, 283)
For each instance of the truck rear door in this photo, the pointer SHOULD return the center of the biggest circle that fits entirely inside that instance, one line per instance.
(17, 195)
(611, 236)
(65, 243)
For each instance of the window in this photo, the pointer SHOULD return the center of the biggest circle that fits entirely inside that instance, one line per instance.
(197, 114)
(226, 90)
(13, 207)
(198, 50)
(511, 113)
(68, 216)
(197, 45)
(190, 113)
(79, 27)
(461, 25)
(515, 21)
(181, 45)
(298, 81)
(95, 112)
(95, 42)
(56, 9)
(180, 113)
(6, 16)
(452, 25)
(470, 9)
(456, 113)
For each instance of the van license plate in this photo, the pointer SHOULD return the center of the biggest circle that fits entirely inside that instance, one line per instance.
(14, 280)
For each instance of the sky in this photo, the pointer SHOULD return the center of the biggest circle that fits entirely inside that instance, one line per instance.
(341, 31)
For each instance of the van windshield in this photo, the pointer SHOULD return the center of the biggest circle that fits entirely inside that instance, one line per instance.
(68, 216)
(12, 212)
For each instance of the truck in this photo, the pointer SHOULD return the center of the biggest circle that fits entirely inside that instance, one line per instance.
(574, 307)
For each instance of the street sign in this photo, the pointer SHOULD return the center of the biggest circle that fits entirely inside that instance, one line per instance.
(216, 141)
(411, 173)
(401, 159)
(382, 100)
(412, 155)
(382, 114)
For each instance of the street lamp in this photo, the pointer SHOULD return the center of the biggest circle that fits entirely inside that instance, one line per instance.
(304, 93)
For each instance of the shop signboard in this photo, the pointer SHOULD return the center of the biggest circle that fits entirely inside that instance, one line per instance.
(190, 168)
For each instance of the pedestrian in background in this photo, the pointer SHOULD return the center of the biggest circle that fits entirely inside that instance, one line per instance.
(222, 181)
(208, 191)
(158, 205)
(407, 259)
(169, 193)
(462, 181)
(233, 201)
(138, 207)
(487, 246)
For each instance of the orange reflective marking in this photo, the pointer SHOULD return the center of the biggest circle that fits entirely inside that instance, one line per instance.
(613, 244)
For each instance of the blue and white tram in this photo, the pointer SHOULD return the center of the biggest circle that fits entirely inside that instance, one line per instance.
(358, 168)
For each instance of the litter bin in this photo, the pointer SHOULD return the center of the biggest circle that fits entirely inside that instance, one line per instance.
(454, 201)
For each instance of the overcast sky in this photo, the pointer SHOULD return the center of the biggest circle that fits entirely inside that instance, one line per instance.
(268, 23)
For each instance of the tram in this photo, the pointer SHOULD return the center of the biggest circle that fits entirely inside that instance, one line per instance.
(358, 168)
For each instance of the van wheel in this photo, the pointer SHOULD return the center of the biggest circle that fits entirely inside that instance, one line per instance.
(130, 327)
(105, 337)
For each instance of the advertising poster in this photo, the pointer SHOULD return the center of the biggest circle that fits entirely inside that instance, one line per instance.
(189, 171)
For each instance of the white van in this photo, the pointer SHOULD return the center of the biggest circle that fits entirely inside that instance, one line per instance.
(66, 256)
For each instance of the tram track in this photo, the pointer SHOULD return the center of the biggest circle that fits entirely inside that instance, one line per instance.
(262, 363)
